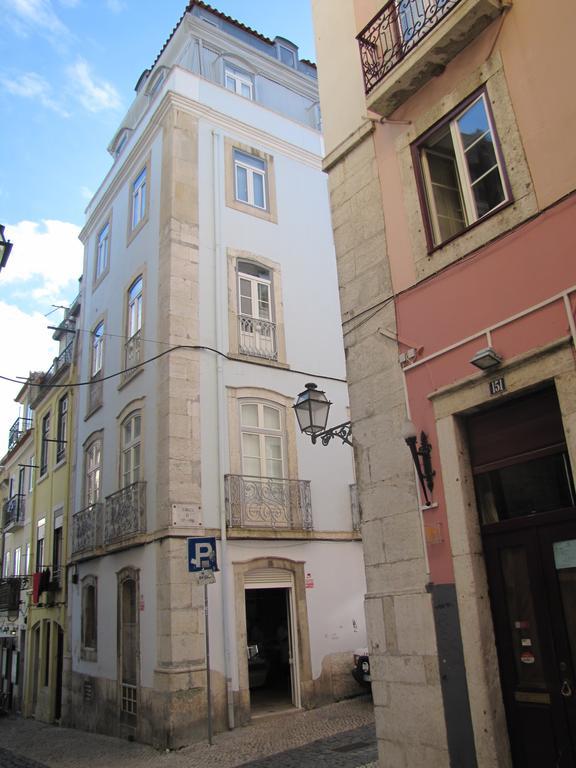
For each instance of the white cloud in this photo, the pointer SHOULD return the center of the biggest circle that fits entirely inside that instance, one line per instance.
(94, 95)
(27, 347)
(116, 6)
(48, 252)
(30, 16)
(30, 85)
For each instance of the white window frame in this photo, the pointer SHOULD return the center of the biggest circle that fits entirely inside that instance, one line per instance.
(62, 428)
(130, 471)
(7, 563)
(17, 561)
(93, 472)
(465, 185)
(263, 433)
(234, 79)
(97, 357)
(257, 330)
(102, 250)
(292, 56)
(139, 195)
(135, 297)
(252, 166)
(45, 445)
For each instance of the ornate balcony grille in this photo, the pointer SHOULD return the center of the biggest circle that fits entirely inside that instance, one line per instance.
(267, 502)
(95, 394)
(394, 32)
(125, 513)
(87, 529)
(19, 428)
(132, 356)
(355, 508)
(257, 337)
(14, 511)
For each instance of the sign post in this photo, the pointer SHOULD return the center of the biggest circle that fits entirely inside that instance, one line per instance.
(202, 562)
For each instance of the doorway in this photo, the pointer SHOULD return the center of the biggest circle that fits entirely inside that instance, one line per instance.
(271, 649)
(526, 501)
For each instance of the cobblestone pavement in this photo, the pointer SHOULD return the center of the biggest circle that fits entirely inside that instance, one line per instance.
(336, 736)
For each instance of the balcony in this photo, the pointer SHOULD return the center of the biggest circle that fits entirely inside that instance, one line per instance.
(125, 513)
(60, 362)
(87, 529)
(18, 430)
(14, 512)
(269, 503)
(410, 41)
(257, 337)
(132, 356)
(10, 594)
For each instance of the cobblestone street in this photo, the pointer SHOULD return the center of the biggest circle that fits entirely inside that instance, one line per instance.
(336, 736)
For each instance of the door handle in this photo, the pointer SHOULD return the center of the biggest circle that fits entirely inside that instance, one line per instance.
(566, 689)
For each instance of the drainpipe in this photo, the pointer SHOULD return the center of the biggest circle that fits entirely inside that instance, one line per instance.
(220, 301)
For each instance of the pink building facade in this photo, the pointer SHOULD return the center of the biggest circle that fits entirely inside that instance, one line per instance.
(454, 211)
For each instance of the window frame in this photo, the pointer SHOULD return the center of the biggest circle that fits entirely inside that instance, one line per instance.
(45, 444)
(425, 195)
(62, 429)
(101, 266)
(128, 448)
(134, 300)
(263, 433)
(89, 650)
(269, 213)
(250, 164)
(91, 498)
(97, 351)
(255, 282)
(239, 77)
(139, 202)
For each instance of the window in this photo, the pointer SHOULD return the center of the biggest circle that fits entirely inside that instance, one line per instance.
(250, 179)
(27, 561)
(17, 561)
(262, 440)
(461, 170)
(139, 198)
(93, 472)
(30, 463)
(130, 459)
(61, 428)
(7, 561)
(97, 349)
(89, 643)
(102, 251)
(135, 308)
(45, 444)
(287, 56)
(57, 544)
(129, 645)
(257, 329)
(239, 82)
(40, 534)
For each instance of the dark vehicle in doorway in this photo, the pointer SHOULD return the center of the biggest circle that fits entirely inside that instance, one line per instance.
(361, 669)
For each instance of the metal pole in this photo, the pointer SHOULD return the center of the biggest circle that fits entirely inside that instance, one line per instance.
(208, 697)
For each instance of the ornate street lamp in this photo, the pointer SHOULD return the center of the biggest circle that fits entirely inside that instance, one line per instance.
(5, 248)
(312, 408)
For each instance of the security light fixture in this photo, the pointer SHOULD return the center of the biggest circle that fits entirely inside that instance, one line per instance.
(486, 358)
(420, 457)
(312, 408)
(5, 248)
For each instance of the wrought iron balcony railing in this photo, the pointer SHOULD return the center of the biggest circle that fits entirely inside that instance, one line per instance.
(14, 511)
(394, 32)
(267, 502)
(257, 337)
(10, 594)
(87, 529)
(132, 356)
(63, 359)
(125, 513)
(17, 430)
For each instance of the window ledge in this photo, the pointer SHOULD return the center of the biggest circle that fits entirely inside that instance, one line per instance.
(269, 363)
(432, 54)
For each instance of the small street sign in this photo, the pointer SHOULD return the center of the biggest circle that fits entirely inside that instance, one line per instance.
(205, 577)
(202, 554)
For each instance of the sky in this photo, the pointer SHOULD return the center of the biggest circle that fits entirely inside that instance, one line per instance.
(67, 74)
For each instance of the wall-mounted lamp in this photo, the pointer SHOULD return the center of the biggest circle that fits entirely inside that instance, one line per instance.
(312, 408)
(420, 457)
(486, 358)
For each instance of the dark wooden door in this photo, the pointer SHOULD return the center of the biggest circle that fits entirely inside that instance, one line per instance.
(531, 571)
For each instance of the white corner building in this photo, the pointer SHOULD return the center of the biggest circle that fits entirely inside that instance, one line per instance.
(210, 300)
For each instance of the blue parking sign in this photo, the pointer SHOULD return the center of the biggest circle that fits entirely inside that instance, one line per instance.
(202, 554)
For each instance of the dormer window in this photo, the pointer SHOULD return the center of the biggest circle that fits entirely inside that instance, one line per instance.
(120, 141)
(238, 81)
(287, 56)
(156, 82)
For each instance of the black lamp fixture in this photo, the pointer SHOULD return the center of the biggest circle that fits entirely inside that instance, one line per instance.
(420, 457)
(5, 248)
(486, 358)
(312, 408)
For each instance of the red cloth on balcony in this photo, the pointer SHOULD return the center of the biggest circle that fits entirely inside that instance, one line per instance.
(36, 579)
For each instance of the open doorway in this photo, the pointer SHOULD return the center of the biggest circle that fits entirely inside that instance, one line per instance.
(271, 664)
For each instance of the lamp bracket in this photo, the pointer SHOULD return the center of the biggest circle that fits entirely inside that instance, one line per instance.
(343, 431)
